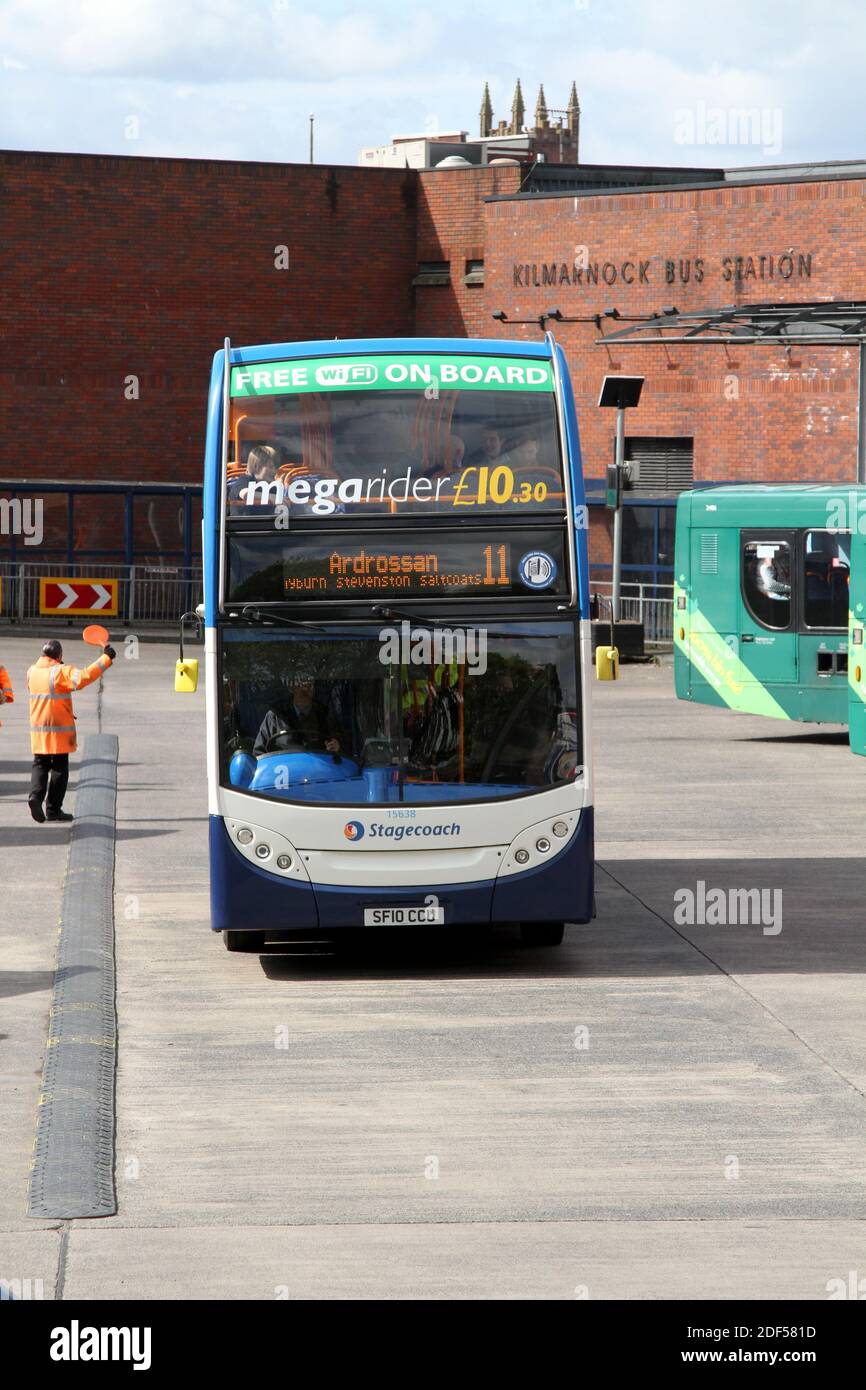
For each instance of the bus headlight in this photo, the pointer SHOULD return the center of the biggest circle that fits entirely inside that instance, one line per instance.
(262, 851)
(284, 861)
(542, 845)
(245, 836)
(521, 856)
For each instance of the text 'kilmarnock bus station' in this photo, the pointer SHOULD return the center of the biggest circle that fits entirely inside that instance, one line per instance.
(467, 554)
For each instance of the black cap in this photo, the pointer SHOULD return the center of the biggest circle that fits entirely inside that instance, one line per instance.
(53, 649)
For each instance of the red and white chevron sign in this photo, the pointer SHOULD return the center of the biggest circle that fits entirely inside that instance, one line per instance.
(77, 596)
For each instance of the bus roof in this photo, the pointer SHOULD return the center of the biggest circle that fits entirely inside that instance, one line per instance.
(766, 504)
(332, 347)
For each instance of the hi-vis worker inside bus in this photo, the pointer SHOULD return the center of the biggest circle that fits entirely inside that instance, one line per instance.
(397, 640)
(52, 726)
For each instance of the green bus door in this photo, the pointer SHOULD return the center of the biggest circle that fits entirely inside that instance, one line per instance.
(857, 646)
(766, 641)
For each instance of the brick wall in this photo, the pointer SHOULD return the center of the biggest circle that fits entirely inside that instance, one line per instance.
(454, 224)
(754, 412)
(141, 266)
(119, 266)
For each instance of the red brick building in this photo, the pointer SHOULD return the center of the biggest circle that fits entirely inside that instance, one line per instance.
(122, 276)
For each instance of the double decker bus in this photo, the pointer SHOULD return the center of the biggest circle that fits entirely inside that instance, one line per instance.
(397, 639)
(763, 584)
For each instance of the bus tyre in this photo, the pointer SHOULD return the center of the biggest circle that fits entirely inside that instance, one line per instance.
(244, 940)
(542, 933)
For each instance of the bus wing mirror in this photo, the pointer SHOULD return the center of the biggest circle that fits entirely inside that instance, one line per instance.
(186, 668)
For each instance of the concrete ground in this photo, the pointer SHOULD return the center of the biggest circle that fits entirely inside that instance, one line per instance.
(654, 1110)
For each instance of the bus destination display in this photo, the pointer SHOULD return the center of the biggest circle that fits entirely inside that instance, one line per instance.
(488, 563)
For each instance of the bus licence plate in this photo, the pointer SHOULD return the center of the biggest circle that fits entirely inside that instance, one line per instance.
(404, 916)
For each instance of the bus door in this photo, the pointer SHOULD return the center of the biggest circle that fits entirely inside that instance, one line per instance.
(766, 635)
(857, 647)
(823, 573)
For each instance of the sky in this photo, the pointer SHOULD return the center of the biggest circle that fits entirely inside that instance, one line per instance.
(659, 81)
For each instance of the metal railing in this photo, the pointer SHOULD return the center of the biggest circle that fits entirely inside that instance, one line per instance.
(650, 604)
(156, 593)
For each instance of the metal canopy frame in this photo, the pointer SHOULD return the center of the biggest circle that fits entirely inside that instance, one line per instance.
(817, 323)
(832, 323)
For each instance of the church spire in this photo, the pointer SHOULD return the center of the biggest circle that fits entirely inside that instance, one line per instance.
(573, 109)
(486, 124)
(518, 111)
(542, 117)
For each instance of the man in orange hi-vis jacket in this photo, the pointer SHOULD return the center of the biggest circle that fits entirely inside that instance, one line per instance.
(6, 696)
(52, 725)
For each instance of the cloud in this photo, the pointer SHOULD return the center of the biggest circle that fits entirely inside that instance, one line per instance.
(204, 40)
(210, 76)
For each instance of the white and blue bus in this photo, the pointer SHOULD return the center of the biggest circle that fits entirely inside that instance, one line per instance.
(397, 639)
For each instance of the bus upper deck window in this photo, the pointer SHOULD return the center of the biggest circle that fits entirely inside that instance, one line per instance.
(767, 582)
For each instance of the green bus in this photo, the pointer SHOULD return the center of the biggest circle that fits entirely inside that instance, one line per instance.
(856, 649)
(761, 602)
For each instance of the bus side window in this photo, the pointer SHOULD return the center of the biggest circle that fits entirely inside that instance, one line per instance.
(826, 566)
(767, 582)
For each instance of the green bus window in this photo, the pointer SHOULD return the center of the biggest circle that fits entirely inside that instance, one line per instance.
(826, 566)
(767, 582)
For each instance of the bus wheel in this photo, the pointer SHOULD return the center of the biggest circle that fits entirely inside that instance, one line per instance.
(244, 940)
(542, 933)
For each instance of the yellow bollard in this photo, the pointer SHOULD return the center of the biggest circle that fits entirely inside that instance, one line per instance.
(606, 663)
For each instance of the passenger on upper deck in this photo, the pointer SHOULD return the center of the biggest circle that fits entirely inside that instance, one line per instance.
(491, 449)
(449, 460)
(262, 464)
(524, 456)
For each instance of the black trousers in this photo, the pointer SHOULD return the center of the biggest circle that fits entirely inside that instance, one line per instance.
(50, 774)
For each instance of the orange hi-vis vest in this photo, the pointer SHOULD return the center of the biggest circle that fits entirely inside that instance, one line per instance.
(6, 696)
(52, 723)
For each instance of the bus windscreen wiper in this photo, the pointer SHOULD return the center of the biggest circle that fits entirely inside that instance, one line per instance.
(380, 610)
(252, 614)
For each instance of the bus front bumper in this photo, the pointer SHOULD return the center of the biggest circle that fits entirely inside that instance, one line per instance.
(247, 898)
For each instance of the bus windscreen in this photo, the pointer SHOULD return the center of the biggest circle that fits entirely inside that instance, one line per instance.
(400, 713)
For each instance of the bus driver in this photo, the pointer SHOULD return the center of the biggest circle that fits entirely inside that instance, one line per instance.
(296, 723)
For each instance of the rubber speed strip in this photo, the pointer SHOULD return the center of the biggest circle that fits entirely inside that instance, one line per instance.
(73, 1166)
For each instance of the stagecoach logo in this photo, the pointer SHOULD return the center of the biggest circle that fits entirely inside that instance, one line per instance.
(353, 830)
(347, 374)
(537, 570)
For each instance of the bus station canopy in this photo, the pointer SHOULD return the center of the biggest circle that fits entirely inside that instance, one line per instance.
(818, 322)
